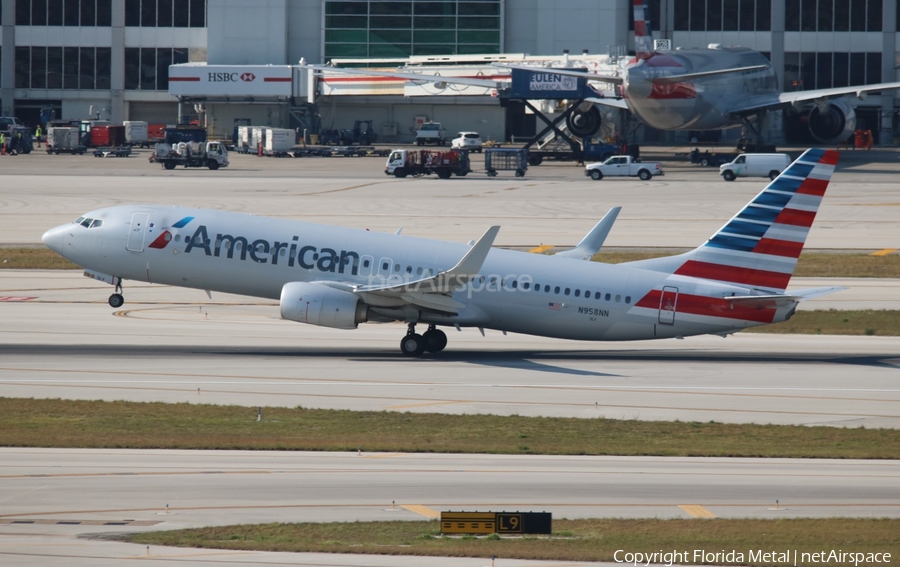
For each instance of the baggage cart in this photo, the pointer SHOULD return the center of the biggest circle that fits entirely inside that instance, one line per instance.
(505, 159)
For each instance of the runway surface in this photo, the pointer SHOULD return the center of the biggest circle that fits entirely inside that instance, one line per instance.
(123, 491)
(176, 345)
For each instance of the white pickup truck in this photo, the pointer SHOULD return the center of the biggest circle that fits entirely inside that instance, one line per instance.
(431, 133)
(623, 166)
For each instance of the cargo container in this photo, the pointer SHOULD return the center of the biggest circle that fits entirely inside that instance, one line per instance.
(136, 133)
(107, 136)
(61, 139)
(278, 141)
(156, 133)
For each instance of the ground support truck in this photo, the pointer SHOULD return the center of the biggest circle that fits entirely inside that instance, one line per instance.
(416, 163)
(191, 154)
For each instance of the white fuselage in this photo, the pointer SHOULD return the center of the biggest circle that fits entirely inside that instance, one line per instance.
(257, 256)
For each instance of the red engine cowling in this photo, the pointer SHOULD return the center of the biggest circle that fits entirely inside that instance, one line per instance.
(318, 304)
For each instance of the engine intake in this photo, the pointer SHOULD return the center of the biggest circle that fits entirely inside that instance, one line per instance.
(318, 304)
(834, 122)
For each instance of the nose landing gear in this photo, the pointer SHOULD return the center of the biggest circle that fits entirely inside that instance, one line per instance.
(116, 300)
(414, 344)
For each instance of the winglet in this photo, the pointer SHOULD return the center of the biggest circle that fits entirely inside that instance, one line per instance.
(473, 260)
(593, 241)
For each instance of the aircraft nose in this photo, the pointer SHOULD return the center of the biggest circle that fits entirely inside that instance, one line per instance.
(54, 239)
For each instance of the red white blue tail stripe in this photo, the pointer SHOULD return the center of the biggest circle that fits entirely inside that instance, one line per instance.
(643, 40)
(760, 245)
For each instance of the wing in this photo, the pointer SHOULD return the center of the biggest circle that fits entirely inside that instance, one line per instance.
(752, 104)
(434, 293)
(703, 74)
(498, 83)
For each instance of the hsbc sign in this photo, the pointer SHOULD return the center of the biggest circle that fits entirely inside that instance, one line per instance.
(230, 77)
(264, 81)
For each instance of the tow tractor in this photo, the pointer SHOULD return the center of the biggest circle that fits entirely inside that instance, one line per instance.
(417, 163)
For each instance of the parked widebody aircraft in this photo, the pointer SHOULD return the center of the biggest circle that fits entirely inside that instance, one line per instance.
(715, 88)
(341, 277)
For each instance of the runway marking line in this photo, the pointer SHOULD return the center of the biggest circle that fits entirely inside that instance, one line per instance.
(421, 510)
(426, 404)
(540, 249)
(696, 511)
(884, 252)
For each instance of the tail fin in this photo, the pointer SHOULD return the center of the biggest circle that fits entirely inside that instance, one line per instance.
(643, 39)
(759, 246)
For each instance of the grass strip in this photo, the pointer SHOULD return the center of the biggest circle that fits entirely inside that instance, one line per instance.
(98, 424)
(835, 322)
(573, 540)
(811, 264)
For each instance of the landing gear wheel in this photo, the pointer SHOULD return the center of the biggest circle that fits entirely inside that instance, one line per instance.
(435, 339)
(596, 174)
(116, 300)
(412, 345)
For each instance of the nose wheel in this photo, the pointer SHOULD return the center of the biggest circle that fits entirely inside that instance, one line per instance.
(116, 300)
(414, 344)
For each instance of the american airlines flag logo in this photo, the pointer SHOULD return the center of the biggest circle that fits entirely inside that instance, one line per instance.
(553, 306)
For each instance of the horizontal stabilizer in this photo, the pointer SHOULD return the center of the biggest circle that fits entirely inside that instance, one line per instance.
(779, 300)
(593, 241)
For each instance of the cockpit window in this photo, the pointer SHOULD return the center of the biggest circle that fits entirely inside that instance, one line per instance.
(79, 220)
(97, 223)
(86, 223)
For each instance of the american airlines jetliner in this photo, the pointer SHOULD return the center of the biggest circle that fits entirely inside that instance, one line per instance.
(341, 277)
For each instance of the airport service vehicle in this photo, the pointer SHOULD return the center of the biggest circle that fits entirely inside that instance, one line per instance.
(431, 133)
(623, 166)
(340, 277)
(191, 154)
(64, 140)
(589, 149)
(470, 141)
(416, 163)
(755, 165)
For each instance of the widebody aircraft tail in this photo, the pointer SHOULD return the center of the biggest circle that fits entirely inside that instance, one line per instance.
(759, 247)
(643, 39)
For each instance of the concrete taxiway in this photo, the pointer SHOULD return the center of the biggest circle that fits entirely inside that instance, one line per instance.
(123, 491)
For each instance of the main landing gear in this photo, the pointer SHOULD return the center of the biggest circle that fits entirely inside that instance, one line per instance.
(116, 300)
(414, 344)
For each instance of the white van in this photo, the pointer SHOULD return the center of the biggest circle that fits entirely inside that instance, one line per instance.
(755, 165)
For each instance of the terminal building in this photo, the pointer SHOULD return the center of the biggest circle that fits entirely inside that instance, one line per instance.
(111, 59)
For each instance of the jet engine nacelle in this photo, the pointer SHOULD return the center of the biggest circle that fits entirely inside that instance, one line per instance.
(321, 305)
(584, 123)
(833, 121)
